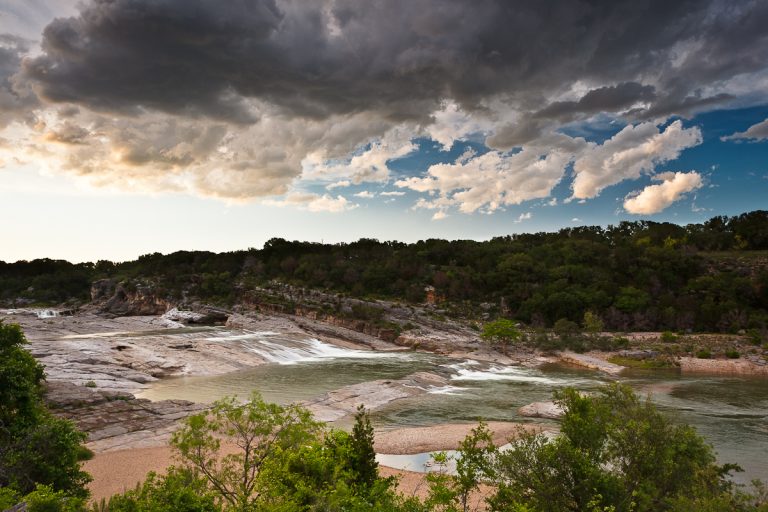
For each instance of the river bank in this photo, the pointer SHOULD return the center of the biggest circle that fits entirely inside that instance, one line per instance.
(120, 470)
(97, 367)
(116, 472)
(136, 463)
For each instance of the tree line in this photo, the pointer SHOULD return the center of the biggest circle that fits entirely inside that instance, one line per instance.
(635, 275)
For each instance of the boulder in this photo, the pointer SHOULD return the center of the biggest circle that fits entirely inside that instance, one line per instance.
(549, 410)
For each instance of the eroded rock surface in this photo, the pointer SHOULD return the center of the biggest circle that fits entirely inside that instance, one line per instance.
(374, 395)
(127, 353)
(549, 410)
(118, 420)
(591, 362)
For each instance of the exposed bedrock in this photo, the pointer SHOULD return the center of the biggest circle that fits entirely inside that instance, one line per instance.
(118, 420)
(548, 410)
(373, 395)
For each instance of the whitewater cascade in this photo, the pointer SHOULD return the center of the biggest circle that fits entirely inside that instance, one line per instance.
(292, 351)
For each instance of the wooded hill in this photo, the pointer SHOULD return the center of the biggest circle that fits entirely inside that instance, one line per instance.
(635, 275)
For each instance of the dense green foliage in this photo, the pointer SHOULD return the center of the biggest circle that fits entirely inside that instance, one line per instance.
(614, 450)
(501, 332)
(258, 456)
(178, 490)
(615, 453)
(44, 281)
(35, 446)
(637, 275)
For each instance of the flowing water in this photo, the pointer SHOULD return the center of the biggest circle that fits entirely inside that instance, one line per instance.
(731, 413)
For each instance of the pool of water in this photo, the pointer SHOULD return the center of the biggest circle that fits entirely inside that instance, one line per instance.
(731, 413)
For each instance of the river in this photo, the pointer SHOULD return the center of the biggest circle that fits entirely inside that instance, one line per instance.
(730, 412)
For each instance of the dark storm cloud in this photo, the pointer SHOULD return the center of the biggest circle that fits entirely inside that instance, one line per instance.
(398, 58)
(16, 99)
(603, 99)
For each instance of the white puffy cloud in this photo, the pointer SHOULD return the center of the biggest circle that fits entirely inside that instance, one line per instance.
(495, 179)
(394, 193)
(338, 184)
(633, 151)
(451, 124)
(314, 202)
(365, 194)
(655, 198)
(523, 216)
(756, 132)
(366, 165)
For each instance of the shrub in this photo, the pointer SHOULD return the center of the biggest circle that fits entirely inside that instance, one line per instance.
(755, 337)
(732, 354)
(501, 332)
(90, 384)
(45, 499)
(620, 342)
(35, 446)
(704, 353)
(668, 337)
(616, 452)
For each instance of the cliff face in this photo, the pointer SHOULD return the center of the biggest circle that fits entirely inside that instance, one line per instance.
(121, 299)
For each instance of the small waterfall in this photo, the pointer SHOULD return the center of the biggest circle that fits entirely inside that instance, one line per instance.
(276, 349)
(470, 371)
(47, 313)
(300, 351)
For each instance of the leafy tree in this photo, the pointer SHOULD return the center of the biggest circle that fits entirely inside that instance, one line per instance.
(45, 499)
(593, 324)
(21, 379)
(451, 493)
(501, 332)
(635, 276)
(566, 329)
(259, 433)
(260, 456)
(35, 446)
(179, 490)
(615, 452)
(362, 456)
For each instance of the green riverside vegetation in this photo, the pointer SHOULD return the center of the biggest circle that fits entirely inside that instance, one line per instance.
(36, 448)
(709, 277)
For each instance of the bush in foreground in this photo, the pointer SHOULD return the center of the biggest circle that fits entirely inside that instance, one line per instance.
(36, 448)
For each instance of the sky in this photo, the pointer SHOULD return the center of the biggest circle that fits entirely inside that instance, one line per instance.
(136, 126)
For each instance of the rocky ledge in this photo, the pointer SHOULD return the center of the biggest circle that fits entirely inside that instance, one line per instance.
(591, 361)
(374, 395)
(117, 420)
(548, 410)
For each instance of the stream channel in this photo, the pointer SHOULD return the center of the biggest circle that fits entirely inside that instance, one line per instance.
(730, 412)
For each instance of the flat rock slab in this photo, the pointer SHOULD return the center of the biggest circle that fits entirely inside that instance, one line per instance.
(118, 420)
(405, 441)
(374, 395)
(590, 361)
(723, 366)
(549, 410)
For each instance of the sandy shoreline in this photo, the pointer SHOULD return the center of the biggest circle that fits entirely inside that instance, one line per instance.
(117, 471)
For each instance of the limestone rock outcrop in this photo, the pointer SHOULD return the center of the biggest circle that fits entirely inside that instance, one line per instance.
(117, 420)
(548, 410)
